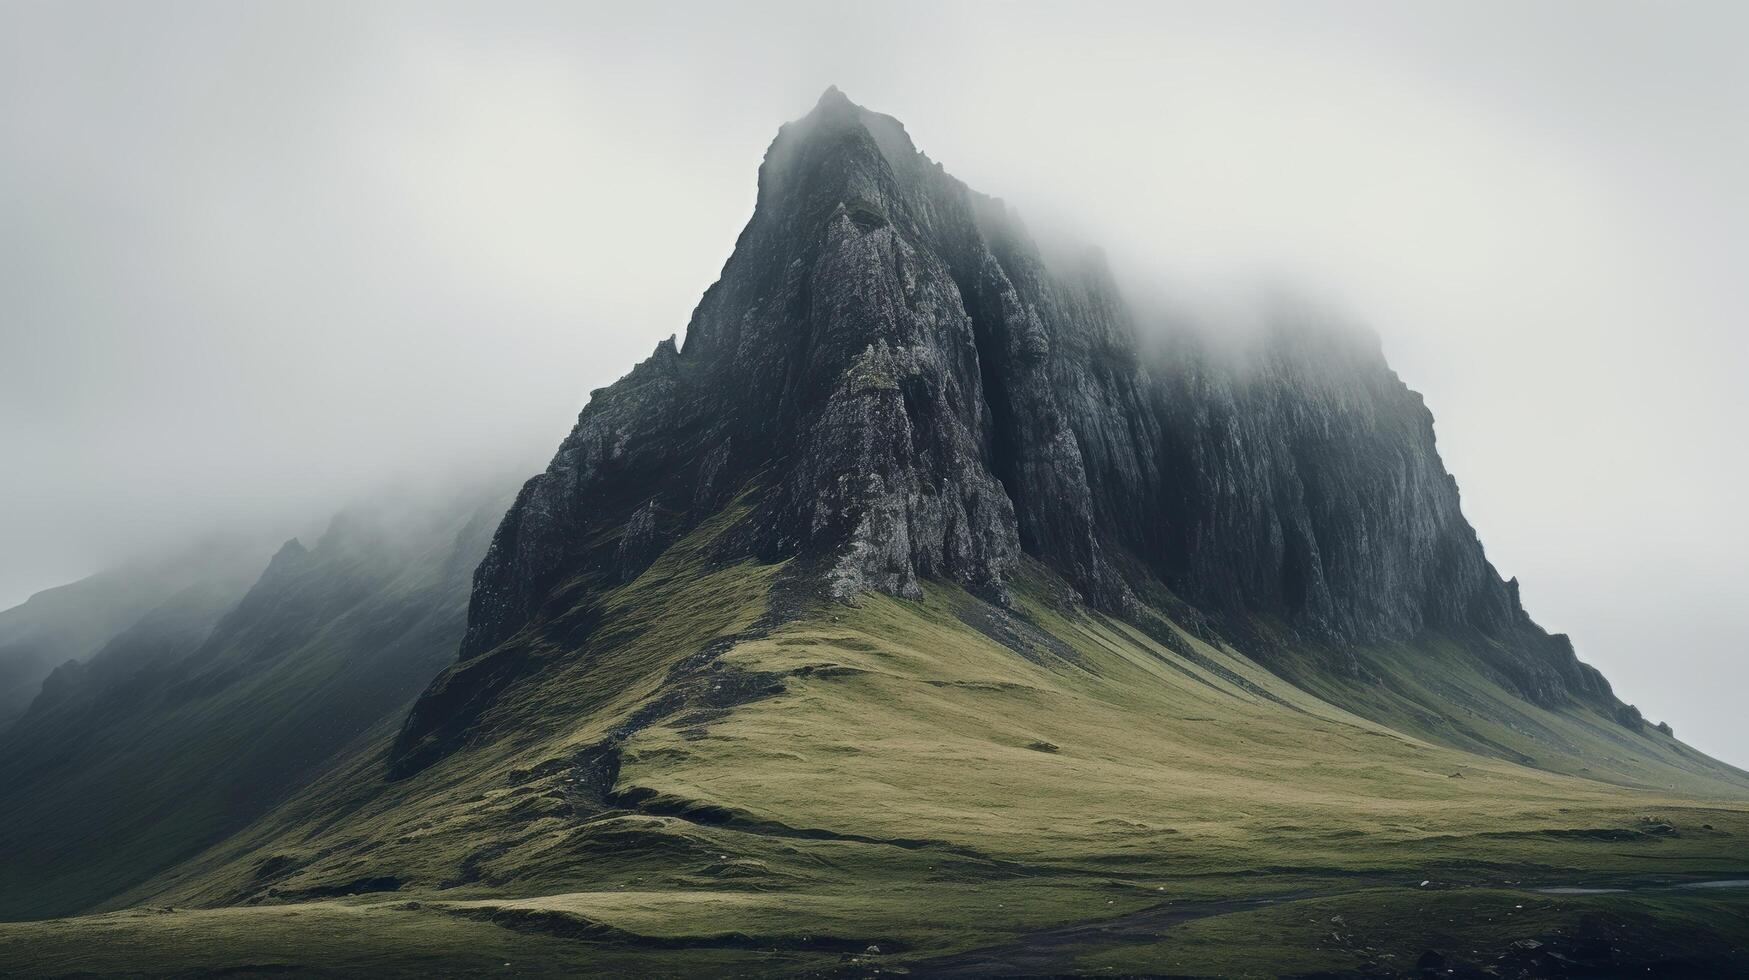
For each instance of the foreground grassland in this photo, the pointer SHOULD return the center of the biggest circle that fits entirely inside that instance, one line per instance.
(970, 791)
(1377, 931)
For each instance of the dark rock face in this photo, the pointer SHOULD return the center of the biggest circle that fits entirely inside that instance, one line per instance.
(833, 368)
(898, 387)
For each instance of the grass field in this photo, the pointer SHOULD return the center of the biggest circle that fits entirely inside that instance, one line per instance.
(967, 788)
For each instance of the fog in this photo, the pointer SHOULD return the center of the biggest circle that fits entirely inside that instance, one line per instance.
(257, 260)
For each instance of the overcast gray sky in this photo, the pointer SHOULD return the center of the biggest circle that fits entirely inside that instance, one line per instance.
(258, 258)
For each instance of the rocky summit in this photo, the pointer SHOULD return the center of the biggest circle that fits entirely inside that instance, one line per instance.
(930, 611)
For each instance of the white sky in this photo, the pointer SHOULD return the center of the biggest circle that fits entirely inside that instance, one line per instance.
(257, 258)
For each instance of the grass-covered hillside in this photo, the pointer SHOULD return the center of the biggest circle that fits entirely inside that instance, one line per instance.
(724, 776)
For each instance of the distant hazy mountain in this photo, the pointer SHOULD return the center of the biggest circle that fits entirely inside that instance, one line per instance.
(72, 622)
(225, 697)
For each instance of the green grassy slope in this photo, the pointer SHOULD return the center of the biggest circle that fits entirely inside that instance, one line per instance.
(1441, 690)
(957, 785)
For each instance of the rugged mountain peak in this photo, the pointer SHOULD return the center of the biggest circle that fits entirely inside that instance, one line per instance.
(833, 365)
(891, 385)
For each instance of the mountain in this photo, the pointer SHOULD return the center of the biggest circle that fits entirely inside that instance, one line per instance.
(925, 611)
(897, 388)
(72, 622)
(225, 698)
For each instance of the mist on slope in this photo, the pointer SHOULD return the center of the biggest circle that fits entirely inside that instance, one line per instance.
(256, 260)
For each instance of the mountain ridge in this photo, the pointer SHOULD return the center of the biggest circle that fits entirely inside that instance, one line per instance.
(72, 622)
(890, 369)
(226, 697)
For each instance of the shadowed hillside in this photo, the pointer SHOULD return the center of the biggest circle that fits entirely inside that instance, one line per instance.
(221, 702)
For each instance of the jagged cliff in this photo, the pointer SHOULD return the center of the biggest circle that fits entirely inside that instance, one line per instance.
(900, 388)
